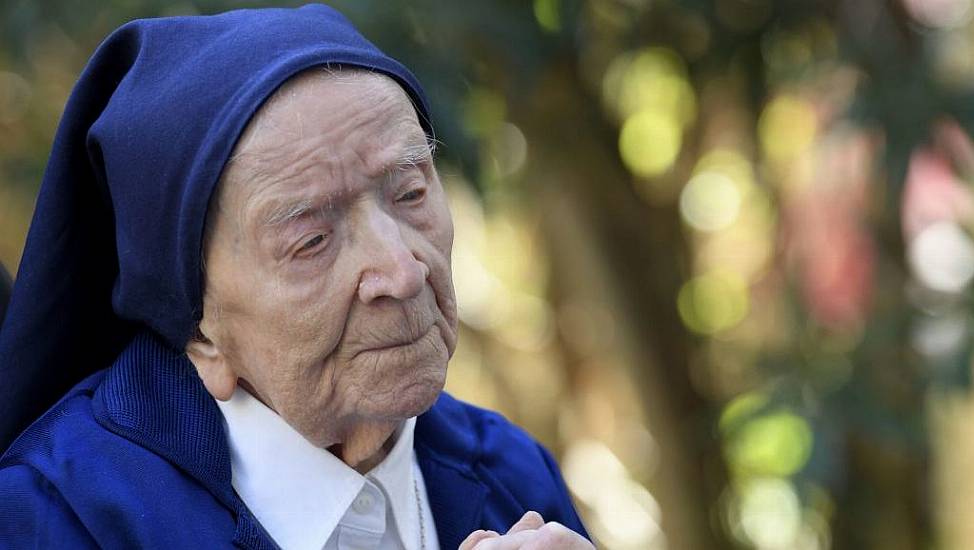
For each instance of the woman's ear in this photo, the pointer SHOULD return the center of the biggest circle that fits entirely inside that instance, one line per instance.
(212, 366)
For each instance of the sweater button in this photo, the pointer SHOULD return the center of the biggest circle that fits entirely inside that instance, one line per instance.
(363, 503)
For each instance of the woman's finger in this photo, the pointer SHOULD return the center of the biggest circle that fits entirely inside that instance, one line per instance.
(530, 520)
(475, 537)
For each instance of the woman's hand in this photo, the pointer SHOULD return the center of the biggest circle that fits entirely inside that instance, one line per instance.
(529, 533)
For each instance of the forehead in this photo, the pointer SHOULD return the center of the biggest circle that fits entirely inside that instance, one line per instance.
(346, 103)
(316, 127)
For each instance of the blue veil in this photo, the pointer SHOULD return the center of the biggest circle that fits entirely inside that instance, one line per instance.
(114, 247)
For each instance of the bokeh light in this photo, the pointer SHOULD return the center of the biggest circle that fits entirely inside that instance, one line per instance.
(653, 79)
(942, 257)
(648, 91)
(774, 444)
(713, 302)
(770, 513)
(484, 110)
(649, 143)
(626, 513)
(546, 13)
(710, 201)
(940, 13)
(787, 128)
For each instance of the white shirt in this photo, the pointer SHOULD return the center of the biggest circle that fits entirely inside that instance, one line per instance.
(306, 498)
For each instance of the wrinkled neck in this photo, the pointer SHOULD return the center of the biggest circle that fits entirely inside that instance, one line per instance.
(362, 446)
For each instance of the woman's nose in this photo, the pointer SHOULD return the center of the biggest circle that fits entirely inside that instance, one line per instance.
(391, 268)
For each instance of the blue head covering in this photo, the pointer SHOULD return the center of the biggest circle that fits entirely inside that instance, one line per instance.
(115, 243)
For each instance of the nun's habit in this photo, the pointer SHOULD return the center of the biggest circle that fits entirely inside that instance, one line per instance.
(109, 292)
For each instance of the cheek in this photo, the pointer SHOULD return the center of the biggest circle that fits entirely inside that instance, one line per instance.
(448, 234)
(283, 329)
(440, 227)
(307, 314)
(440, 235)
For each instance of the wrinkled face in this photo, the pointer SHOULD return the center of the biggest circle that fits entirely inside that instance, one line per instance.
(328, 284)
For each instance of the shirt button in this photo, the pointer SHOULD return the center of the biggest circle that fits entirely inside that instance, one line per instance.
(363, 503)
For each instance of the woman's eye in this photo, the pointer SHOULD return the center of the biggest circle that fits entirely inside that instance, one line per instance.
(412, 196)
(311, 243)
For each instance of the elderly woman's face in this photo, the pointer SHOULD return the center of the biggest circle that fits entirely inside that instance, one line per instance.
(328, 281)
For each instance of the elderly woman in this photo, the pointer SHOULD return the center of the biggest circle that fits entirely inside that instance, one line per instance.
(240, 260)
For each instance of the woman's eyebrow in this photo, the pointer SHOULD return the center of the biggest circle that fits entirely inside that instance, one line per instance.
(286, 211)
(414, 149)
(413, 154)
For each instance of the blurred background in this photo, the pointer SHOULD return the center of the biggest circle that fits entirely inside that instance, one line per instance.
(715, 254)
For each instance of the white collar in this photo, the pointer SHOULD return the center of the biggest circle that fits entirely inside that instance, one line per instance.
(395, 475)
(300, 492)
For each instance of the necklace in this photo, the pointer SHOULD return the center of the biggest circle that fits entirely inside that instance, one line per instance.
(419, 508)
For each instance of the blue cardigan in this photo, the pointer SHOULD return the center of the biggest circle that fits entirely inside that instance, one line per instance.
(136, 456)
